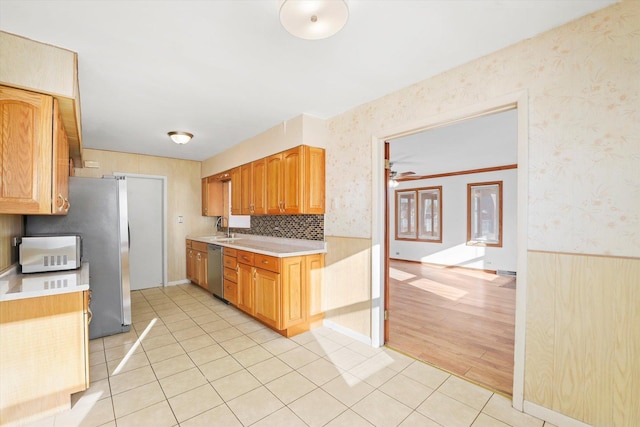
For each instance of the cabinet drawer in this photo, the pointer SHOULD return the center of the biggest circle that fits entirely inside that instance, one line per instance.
(245, 257)
(267, 262)
(229, 261)
(230, 252)
(231, 292)
(230, 274)
(189, 243)
(199, 246)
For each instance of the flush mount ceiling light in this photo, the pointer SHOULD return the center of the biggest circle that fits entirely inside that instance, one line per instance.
(313, 19)
(180, 137)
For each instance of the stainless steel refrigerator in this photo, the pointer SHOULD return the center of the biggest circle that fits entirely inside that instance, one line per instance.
(98, 213)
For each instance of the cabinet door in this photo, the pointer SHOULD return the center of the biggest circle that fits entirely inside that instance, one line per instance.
(267, 301)
(214, 197)
(313, 180)
(60, 173)
(236, 191)
(190, 265)
(274, 184)
(26, 146)
(245, 288)
(205, 197)
(294, 294)
(259, 187)
(245, 182)
(204, 271)
(292, 182)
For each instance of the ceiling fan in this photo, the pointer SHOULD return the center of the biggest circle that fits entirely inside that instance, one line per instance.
(394, 175)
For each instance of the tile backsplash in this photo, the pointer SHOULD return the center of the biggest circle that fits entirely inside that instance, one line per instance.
(309, 227)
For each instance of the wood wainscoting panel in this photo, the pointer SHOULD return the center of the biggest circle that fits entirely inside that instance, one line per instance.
(538, 388)
(582, 346)
(347, 283)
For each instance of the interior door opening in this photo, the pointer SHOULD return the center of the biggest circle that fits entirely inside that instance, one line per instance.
(451, 300)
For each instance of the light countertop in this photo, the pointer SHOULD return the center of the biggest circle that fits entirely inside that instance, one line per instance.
(14, 285)
(273, 246)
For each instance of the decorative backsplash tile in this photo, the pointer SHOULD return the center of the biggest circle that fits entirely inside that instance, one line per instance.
(309, 227)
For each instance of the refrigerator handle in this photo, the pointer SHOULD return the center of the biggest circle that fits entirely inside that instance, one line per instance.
(129, 235)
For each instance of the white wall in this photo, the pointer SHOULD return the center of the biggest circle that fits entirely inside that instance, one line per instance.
(453, 249)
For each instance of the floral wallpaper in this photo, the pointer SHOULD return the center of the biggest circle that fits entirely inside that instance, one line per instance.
(584, 133)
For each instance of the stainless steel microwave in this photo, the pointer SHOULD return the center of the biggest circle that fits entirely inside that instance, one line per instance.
(50, 253)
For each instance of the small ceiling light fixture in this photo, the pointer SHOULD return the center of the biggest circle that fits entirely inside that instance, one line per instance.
(180, 137)
(313, 19)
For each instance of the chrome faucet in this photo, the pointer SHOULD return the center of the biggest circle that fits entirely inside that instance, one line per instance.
(220, 223)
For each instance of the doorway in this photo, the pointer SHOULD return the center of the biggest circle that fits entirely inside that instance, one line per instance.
(146, 198)
(446, 304)
(380, 246)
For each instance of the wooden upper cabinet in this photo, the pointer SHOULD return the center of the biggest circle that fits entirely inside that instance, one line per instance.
(259, 187)
(236, 191)
(32, 174)
(212, 197)
(314, 180)
(245, 192)
(274, 184)
(290, 182)
(205, 197)
(296, 181)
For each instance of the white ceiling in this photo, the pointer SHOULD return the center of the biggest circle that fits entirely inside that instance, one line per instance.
(226, 70)
(482, 142)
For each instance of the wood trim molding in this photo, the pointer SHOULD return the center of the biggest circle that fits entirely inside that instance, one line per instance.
(465, 172)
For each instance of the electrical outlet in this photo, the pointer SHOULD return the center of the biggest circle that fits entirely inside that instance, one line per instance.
(180, 221)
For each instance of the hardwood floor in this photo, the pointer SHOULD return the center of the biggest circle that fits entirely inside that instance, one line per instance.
(458, 319)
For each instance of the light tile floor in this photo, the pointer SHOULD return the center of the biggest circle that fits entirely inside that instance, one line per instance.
(190, 360)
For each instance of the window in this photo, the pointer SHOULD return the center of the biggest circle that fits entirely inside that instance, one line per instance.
(406, 221)
(419, 214)
(484, 214)
(430, 214)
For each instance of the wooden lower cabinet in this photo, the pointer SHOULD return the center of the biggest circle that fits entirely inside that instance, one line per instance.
(197, 266)
(283, 293)
(230, 275)
(245, 288)
(44, 357)
(267, 294)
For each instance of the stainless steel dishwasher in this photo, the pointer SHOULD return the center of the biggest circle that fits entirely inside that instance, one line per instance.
(214, 266)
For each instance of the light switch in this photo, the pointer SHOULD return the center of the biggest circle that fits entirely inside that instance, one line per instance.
(180, 219)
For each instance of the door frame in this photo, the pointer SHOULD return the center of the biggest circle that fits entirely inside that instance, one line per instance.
(379, 243)
(163, 181)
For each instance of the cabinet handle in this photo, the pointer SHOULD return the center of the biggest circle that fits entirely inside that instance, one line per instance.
(254, 274)
(90, 316)
(264, 261)
(237, 268)
(67, 205)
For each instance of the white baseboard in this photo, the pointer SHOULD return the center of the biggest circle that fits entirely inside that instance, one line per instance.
(346, 331)
(178, 282)
(551, 416)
